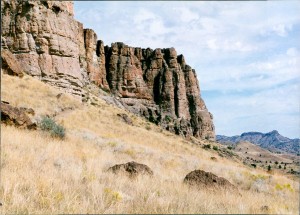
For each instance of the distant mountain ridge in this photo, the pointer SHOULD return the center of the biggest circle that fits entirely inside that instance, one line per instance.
(271, 140)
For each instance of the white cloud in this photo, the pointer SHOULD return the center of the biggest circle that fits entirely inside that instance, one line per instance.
(185, 14)
(281, 29)
(229, 45)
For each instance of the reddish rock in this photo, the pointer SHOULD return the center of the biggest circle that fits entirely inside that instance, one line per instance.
(10, 64)
(95, 59)
(16, 116)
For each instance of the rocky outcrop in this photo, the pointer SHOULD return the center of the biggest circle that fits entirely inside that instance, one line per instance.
(132, 169)
(16, 116)
(94, 59)
(156, 84)
(43, 36)
(207, 180)
(10, 65)
(159, 85)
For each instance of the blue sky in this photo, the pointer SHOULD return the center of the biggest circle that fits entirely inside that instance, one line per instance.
(246, 54)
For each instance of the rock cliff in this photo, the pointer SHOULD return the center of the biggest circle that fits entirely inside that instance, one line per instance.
(156, 84)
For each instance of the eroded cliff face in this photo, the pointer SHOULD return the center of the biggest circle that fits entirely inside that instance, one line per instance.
(156, 84)
(160, 86)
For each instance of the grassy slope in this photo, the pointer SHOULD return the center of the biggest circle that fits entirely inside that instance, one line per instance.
(44, 175)
(264, 157)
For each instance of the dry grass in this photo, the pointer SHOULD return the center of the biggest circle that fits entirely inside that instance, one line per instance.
(43, 175)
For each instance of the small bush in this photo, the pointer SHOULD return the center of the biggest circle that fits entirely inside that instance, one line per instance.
(276, 162)
(168, 118)
(254, 165)
(215, 148)
(229, 147)
(269, 168)
(48, 124)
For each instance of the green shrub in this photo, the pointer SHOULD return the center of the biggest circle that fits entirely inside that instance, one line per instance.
(229, 147)
(269, 168)
(215, 148)
(254, 165)
(49, 125)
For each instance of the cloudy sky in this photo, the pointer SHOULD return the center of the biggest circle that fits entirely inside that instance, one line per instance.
(246, 54)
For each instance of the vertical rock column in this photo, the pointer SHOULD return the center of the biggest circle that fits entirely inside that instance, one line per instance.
(95, 59)
(124, 73)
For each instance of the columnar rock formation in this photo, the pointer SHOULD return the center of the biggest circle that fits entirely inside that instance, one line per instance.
(52, 46)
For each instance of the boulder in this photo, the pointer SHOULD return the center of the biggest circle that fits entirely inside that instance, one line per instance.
(16, 116)
(202, 179)
(132, 169)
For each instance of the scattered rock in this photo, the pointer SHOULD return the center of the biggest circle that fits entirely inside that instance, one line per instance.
(28, 110)
(59, 95)
(265, 208)
(204, 179)
(16, 116)
(132, 169)
(125, 118)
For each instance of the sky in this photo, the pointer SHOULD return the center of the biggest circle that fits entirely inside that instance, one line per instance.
(246, 54)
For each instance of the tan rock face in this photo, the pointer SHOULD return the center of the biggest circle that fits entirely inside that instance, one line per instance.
(50, 44)
(43, 37)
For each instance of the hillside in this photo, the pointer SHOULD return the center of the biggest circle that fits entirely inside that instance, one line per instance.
(51, 45)
(255, 155)
(272, 141)
(41, 174)
(94, 128)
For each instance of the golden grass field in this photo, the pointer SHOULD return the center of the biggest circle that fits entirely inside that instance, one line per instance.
(43, 175)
